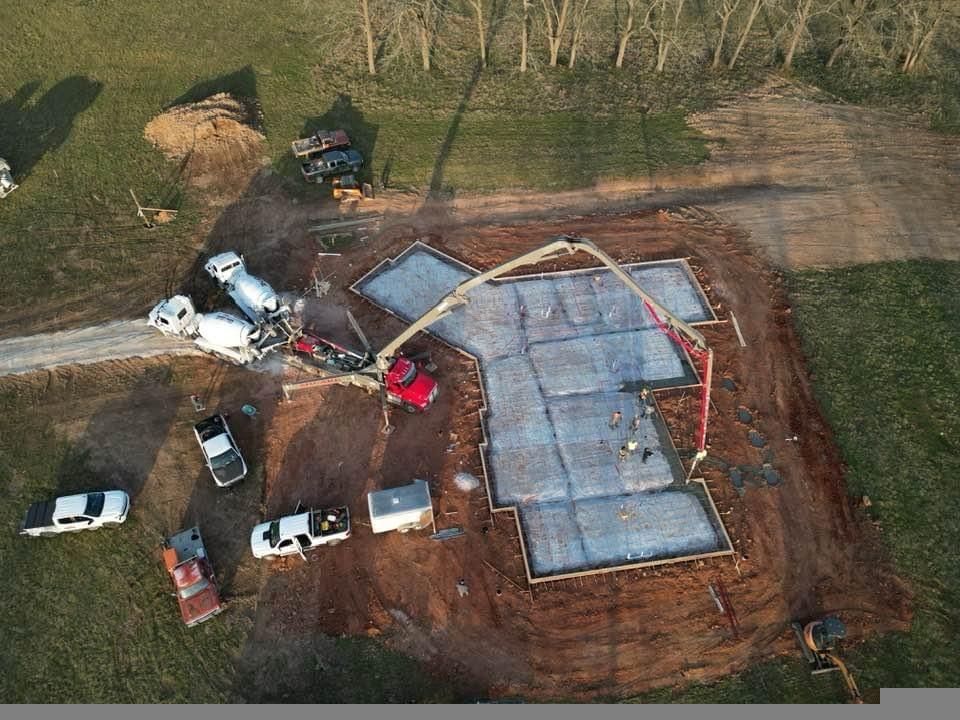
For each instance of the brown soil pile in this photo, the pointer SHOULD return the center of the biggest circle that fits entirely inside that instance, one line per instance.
(216, 140)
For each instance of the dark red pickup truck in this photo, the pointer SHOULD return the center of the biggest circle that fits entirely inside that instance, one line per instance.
(195, 585)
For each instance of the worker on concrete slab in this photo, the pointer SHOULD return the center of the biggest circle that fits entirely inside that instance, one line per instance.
(647, 452)
(631, 446)
(635, 423)
(622, 454)
(615, 419)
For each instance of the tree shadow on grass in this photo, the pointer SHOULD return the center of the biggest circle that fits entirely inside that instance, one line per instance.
(28, 131)
(119, 447)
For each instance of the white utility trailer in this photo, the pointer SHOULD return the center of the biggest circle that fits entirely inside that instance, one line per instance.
(402, 509)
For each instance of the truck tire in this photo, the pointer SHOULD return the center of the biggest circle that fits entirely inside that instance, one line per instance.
(409, 408)
(111, 524)
(48, 534)
(332, 543)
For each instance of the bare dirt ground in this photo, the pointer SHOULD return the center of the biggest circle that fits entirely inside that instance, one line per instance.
(805, 549)
(814, 184)
(213, 139)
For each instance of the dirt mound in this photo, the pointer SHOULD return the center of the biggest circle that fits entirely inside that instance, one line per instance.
(216, 140)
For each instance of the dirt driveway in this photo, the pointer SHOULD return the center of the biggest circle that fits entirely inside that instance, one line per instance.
(814, 184)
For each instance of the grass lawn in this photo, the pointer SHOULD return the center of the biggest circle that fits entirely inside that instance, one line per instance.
(89, 76)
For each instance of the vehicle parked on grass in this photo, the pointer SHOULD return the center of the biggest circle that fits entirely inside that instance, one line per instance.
(300, 532)
(7, 185)
(87, 511)
(220, 450)
(320, 141)
(331, 164)
(194, 583)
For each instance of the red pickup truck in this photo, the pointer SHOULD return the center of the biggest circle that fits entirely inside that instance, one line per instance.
(195, 585)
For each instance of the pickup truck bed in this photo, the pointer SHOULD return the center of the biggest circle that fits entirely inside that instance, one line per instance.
(320, 526)
(211, 427)
(39, 515)
(320, 141)
(187, 544)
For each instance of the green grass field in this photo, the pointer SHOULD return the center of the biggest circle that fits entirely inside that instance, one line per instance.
(87, 619)
(89, 76)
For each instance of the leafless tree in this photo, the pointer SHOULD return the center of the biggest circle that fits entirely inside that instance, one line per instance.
(631, 24)
(579, 18)
(524, 39)
(724, 10)
(801, 13)
(556, 14)
(850, 14)
(426, 17)
(368, 34)
(755, 8)
(477, 6)
(666, 28)
(801, 16)
(919, 21)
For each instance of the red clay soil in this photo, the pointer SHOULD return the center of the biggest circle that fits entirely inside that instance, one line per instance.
(804, 549)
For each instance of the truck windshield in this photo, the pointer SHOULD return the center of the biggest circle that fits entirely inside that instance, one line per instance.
(274, 533)
(409, 375)
(195, 589)
(94, 505)
(223, 459)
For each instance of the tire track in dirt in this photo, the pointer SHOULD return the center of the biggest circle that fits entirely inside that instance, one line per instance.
(110, 341)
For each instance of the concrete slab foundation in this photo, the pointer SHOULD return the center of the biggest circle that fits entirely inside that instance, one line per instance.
(560, 356)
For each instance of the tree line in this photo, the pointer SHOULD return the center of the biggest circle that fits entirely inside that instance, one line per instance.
(624, 33)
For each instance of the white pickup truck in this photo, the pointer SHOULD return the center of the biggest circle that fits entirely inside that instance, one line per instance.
(220, 451)
(76, 512)
(300, 532)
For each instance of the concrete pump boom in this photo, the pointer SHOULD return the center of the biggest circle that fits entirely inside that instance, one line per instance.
(674, 327)
(561, 247)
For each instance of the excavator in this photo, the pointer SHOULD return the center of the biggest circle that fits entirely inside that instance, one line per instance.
(818, 642)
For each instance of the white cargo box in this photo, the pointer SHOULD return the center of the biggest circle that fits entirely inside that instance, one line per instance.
(403, 508)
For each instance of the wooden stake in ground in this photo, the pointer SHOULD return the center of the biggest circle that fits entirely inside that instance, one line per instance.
(161, 215)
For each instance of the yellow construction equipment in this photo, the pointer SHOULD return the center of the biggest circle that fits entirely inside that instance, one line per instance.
(818, 641)
(347, 187)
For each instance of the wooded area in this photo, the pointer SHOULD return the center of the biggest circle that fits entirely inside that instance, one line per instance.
(625, 34)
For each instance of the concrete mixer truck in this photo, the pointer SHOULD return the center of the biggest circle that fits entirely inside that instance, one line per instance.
(222, 334)
(258, 301)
